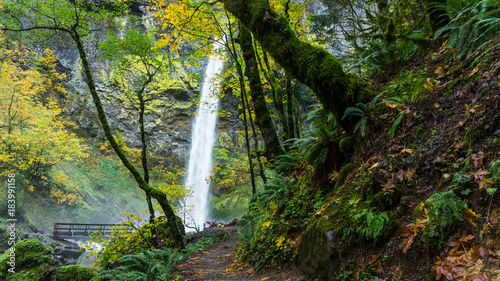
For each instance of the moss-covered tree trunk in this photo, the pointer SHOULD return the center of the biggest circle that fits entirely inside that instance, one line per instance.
(296, 116)
(311, 65)
(289, 107)
(245, 107)
(231, 49)
(256, 147)
(263, 116)
(144, 157)
(275, 89)
(153, 192)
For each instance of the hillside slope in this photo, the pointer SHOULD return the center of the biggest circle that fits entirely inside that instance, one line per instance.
(418, 197)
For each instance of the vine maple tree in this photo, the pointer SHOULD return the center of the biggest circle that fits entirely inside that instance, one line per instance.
(33, 134)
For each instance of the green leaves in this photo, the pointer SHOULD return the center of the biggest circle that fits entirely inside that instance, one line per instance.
(129, 48)
(315, 144)
(41, 18)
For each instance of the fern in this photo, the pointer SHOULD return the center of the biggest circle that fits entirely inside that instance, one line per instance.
(149, 265)
(274, 190)
(371, 224)
(364, 111)
(315, 143)
(472, 24)
(286, 162)
(442, 210)
(353, 111)
(378, 54)
(394, 126)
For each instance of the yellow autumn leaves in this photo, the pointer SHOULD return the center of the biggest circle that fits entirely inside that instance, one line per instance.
(33, 134)
(195, 22)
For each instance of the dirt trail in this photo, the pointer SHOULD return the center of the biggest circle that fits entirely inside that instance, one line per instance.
(219, 263)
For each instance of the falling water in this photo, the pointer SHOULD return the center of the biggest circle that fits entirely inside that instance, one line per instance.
(202, 143)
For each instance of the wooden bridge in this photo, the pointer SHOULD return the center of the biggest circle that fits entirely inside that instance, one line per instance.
(81, 229)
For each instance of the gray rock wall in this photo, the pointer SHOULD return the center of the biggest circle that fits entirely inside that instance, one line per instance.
(168, 127)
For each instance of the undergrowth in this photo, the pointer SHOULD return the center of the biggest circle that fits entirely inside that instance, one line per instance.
(155, 264)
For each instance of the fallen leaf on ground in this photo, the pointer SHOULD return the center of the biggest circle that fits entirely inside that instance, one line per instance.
(479, 277)
(477, 158)
(470, 215)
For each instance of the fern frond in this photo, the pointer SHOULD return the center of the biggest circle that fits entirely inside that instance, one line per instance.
(394, 126)
(353, 111)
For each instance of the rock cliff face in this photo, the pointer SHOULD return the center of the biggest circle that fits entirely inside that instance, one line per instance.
(168, 126)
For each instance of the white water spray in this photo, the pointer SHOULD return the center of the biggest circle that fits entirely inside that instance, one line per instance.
(202, 143)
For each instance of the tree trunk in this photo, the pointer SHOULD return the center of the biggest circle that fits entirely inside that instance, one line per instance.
(437, 17)
(256, 146)
(245, 106)
(311, 65)
(289, 107)
(153, 192)
(263, 117)
(275, 88)
(296, 115)
(232, 52)
(144, 158)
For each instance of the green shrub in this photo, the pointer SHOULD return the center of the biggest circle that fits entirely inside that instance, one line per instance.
(155, 264)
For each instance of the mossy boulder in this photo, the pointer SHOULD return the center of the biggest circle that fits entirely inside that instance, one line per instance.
(76, 273)
(347, 145)
(319, 250)
(31, 253)
(43, 272)
(32, 262)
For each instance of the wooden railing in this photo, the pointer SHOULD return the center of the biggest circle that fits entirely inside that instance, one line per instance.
(81, 229)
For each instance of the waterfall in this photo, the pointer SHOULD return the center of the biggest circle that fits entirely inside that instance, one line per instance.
(202, 143)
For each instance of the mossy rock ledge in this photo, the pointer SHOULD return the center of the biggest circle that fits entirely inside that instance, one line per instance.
(34, 262)
(320, 250)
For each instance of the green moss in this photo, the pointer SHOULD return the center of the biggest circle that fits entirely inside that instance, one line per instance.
(390, 34)
(422, 42)
(32, 262)
(229, 206)
(347, 145)
(369, 187)
(43, 272)
(31, 253)
(344, 171)
(76, 273)
(385, 200)
(474, 136)
(317, 250)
